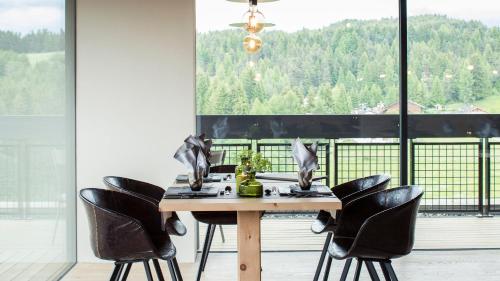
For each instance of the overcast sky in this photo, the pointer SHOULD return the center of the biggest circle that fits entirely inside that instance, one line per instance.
(291, 15)
(288, 15)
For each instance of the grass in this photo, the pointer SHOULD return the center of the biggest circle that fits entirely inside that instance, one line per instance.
(35, 58)
(490, 104)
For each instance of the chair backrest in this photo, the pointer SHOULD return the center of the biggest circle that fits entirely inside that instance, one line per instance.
(137, 188)
(223, 169)
(217, 157)
(351, 190)
(114, 223)
(384, 222)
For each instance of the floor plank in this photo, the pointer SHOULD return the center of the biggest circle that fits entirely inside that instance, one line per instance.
(467, 265)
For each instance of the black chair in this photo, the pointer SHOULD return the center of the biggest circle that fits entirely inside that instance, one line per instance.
(214, 219)
(126, 229)
(148, 192)
(377, 228)
(345, 192)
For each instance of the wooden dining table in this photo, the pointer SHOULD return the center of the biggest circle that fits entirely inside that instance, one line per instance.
(249, 212)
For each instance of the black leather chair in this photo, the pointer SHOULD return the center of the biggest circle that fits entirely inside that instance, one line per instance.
(212, 219)
(148, 192)
(377, 228)
(126, 229)
(345, 192)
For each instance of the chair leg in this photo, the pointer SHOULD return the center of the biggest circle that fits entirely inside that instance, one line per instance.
(171, 269)
(126, 272)
(204, 252)
(177, 269)
(157, 267)
(390, 270)
(148, 270)
(322, 257)
(222, 234)
(359, 265)
(212, 232)
(116, 272)
(328, 267)
(345, 271)
(387, 276)
(372, 271)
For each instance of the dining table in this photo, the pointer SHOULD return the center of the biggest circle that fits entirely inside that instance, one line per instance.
(249, 211)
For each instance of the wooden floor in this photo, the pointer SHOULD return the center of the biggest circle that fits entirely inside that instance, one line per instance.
(468, 265)
(452, 232)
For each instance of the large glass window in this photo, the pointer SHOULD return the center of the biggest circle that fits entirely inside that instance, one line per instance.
(454, 56)
(322, 57)
(37, 163)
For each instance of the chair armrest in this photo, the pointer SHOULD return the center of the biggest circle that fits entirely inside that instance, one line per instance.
(118, 236)
(356, 212)
(390, 231)
(143, 211)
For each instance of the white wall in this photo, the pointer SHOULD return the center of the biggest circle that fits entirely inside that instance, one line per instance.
(135, 96)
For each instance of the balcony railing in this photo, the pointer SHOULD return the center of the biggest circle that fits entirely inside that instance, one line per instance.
(457, 176)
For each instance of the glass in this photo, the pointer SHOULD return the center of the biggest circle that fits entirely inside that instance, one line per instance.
(453, 55)
(37, 137)
(323, 57)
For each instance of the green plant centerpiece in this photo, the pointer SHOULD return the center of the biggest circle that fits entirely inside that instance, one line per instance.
(251, 163)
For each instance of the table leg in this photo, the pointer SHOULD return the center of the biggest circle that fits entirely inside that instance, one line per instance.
(249, 246)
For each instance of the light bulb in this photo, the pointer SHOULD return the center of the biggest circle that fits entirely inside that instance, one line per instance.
(252, 43)
(254, 20)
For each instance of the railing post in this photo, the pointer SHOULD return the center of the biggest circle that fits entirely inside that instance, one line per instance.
(336, 163)
(412, 163)
(485, 163)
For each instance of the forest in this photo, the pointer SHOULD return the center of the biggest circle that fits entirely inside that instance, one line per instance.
(349, 67)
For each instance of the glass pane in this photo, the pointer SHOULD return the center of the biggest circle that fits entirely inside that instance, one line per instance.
(454, 56)
(37, 181)
(321, 57)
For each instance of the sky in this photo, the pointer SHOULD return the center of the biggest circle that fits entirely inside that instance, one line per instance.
(289, 15)
(292, 15)
(24, 16)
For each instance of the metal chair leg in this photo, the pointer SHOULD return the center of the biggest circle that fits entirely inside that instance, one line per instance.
(212, 232)
(171, 269)
(204, 252)
(372, 271)
(328, 267)
(157, 267)
(391, 271)
(126, 272)
(387, 276)
(222, 234)
(148, 270)
(322, 257)
(358, 270)
(116, 272)
(345, 271)
(177, 269)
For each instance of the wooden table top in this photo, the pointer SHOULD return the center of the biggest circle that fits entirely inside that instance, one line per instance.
(265, 203)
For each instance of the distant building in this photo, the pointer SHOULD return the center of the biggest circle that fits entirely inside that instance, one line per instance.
(413, 108)
(472, 109)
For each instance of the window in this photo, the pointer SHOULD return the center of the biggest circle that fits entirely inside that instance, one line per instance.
(322, 57)
(37, 153)
(454, 56)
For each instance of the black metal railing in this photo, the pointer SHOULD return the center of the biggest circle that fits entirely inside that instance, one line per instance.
(280, 155)
(450, 173)
(356, 160)
(457, 176)
(493, 177)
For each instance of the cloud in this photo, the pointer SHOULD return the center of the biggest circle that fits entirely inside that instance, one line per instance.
(24, 19)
